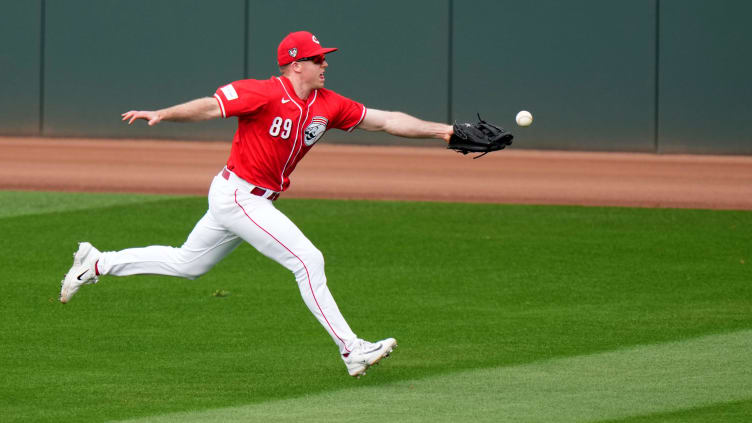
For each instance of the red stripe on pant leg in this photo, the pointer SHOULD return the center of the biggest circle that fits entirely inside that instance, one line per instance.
(304, 267)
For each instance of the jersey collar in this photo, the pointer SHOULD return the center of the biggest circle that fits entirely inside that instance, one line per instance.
(291, 91)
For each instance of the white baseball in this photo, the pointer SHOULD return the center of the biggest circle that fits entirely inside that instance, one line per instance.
(524, 118)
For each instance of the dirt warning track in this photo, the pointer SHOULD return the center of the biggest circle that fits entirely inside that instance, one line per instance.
(389, 173)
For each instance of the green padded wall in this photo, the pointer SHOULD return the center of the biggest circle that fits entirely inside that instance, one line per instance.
(107, 57)
(705, 82)
(585, 69)
(20, 33)
(392, 54)
(641, 75)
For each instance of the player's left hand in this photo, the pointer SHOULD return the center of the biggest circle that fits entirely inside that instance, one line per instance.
(480, 137)
(151, 117)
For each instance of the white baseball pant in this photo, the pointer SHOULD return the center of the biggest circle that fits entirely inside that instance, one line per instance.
(236, 215)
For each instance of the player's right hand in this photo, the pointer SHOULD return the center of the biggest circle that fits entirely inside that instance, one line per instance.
(151, 117)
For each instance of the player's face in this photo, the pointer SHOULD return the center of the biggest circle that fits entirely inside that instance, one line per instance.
(313, 71)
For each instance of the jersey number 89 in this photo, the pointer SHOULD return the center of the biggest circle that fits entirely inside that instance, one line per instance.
(279, 126)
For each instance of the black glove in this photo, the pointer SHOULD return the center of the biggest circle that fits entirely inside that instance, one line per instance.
(480, 137)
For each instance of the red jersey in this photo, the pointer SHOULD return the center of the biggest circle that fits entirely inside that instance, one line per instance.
(276, 128)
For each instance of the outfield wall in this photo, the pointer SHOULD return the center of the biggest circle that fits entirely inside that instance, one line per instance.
(667, 76)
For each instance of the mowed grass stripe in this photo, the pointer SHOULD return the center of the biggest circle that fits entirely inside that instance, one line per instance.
(736, 411)
(23, 203)
(630, 382)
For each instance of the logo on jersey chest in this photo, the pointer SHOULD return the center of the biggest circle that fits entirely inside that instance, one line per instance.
(315, 130)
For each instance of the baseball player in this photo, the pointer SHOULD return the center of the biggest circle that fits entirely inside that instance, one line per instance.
(279, 121)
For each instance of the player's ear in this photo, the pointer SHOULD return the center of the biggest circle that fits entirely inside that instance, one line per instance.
(296, 66)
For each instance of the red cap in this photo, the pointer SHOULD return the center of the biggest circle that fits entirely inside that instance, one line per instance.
(297, 45)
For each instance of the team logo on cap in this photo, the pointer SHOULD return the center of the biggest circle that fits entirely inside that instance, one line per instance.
(315, 40)
(292, 52)
(315, 130)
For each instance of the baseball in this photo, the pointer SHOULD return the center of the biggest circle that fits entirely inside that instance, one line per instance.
(524, 118)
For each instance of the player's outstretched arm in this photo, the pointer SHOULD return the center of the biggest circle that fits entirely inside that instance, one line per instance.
(193, 111)
(404, 125)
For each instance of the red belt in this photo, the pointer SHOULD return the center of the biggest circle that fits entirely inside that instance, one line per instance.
(261, 192)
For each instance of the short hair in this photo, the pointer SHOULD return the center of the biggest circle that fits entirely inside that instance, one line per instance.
(283, 68)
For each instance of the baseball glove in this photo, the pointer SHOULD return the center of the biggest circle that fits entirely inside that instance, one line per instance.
(481, 137)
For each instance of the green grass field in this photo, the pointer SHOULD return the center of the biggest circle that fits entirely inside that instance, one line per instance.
(502, 313)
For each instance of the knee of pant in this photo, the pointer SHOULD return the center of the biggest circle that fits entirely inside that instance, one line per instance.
(194, 272)
(199, 266)
(193, 266)
(313, 260)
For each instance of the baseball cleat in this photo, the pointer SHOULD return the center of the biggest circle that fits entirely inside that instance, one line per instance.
(366, 354)
(81, 273)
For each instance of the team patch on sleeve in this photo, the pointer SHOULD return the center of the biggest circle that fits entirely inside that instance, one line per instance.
(229, 92)
(315, 130)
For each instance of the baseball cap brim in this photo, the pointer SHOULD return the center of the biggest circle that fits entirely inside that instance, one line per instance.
(325, 51)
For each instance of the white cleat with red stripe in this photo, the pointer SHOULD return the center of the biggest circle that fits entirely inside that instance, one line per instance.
(366, 354)
(82, 272)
